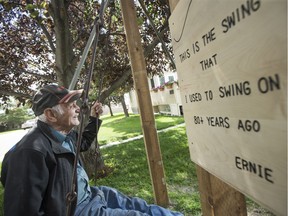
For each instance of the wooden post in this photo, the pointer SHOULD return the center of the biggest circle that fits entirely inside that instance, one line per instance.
(217, 197)
(144, 101)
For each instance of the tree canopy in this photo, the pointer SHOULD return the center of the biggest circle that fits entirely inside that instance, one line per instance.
(42, 42)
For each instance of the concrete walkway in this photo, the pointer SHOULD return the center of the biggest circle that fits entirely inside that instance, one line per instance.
(137, 137)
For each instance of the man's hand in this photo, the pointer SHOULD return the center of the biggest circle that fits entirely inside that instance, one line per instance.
(96, 109)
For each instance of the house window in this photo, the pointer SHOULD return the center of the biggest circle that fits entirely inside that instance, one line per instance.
(170, 78)
(162, 80)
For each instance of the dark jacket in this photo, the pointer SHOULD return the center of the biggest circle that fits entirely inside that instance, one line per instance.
(37, 172)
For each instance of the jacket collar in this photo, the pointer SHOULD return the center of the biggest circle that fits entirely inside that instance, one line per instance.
(53, 138)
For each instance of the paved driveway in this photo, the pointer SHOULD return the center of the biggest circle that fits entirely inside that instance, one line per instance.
(8, 139)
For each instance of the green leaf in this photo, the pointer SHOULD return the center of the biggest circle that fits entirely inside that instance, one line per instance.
(30, 6)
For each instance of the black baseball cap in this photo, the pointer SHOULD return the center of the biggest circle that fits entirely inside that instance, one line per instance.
(51, 95)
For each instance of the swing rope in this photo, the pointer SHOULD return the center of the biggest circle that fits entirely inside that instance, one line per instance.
(84, 109)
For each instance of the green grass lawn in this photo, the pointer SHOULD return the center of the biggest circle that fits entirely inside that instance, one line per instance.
(131, 172)
(118, 127)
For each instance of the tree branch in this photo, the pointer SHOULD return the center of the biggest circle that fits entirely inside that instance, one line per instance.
(45, 77)
(115, 85)
(15, 94)
(166, 51)
(48, 36)
(151, 46)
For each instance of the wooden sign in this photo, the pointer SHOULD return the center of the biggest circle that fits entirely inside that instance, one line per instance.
(232, 66)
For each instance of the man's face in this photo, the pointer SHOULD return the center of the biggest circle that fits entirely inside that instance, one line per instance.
(69, 118)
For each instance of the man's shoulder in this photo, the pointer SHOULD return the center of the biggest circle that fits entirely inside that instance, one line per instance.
(34, 140)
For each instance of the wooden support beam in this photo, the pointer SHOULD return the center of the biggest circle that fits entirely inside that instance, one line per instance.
(144, 102)
(217, 197)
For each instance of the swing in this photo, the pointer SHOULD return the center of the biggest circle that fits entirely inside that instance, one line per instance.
(94, 38)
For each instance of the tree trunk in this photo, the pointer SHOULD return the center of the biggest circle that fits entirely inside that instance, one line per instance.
(124, 106)
(110, 109)
(93, 161)
(64, 47)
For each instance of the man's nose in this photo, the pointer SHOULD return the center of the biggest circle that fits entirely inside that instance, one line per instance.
(77, 108)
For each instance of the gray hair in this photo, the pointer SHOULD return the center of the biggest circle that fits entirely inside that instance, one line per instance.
(57, 109)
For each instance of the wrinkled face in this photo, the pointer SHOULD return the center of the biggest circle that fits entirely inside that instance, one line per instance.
(69, 118)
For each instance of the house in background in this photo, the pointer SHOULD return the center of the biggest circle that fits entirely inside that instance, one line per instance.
(165, 95)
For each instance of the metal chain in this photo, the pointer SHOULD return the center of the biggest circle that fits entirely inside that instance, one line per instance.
(84, 109)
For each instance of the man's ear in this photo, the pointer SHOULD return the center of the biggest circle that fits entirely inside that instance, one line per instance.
(50, 115)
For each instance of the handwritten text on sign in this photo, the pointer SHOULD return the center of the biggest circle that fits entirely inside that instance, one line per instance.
(231, 62)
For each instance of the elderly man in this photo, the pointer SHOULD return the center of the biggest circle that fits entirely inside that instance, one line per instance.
(37, 171)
